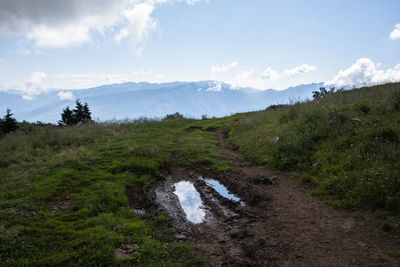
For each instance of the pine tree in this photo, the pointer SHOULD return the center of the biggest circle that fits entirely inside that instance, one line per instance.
(79, 115)
(8, 123)
(67, 117)
(86, 113)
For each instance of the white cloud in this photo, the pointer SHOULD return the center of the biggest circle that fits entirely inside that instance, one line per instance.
(84, 80)
(142, 73)
(24, 51)
(36, 77)
(39, 82)
(223, 68)
(34, 85)
(271, 78)
(299, 70)
(62, 24)
(395, 34)
(66, 36)
(65, 95)
(160, 76)
(216, 88)
(270, 74)
(140, 24)
(365, 72)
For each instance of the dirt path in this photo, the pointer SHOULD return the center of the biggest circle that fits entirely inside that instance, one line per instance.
(280, 224)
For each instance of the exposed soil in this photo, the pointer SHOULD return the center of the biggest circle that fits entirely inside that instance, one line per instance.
(279, 225)
(60, 204)
(124, 251)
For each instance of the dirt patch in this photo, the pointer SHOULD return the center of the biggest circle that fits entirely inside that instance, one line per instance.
(193, 128)
(60, 204)
(280, 224)
(24, 211)
(141, 197)
(211, 129)
(291, 228)
(124, 251)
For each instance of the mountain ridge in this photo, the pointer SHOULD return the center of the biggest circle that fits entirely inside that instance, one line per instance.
(154, 100)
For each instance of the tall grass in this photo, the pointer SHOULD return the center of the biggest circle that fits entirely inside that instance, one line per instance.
(346, 144)
(88, 169)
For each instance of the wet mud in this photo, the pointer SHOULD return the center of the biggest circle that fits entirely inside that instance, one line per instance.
(275, 223)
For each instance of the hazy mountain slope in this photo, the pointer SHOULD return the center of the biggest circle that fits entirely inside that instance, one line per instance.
(133, 100)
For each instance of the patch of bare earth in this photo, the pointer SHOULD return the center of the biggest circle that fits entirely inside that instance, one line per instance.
(282, 225)
(60, 204)
(279, 225)
(124, 251)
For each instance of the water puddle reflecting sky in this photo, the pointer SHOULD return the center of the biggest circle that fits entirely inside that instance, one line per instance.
(221, 189)
(190, 201)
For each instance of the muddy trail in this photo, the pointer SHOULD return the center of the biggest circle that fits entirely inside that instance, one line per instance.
(275, 223)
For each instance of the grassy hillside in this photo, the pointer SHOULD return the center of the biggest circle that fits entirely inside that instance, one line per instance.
(62, 190)
(346, 144)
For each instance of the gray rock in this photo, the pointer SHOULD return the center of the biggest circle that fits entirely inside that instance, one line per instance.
(274, 140)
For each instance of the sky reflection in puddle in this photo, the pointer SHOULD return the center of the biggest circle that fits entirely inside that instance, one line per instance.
(221, 189)
(190, 201)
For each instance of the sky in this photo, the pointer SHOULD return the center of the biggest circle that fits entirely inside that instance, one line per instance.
(262, 44)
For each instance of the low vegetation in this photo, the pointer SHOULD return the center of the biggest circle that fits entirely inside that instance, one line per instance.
(62, 189)
(346, 144)
(63, 196)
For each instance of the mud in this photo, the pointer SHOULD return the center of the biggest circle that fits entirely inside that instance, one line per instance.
(141, 198)
(279, 225)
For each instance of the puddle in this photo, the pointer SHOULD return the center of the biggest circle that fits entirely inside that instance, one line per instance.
(190, 201)
(221, 189)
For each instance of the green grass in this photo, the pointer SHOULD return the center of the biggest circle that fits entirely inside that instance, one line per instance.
(90, 167)
(347, 144)
(62, 190)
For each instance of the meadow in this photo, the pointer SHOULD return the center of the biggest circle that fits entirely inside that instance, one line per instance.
(63, 189)
(346, 145)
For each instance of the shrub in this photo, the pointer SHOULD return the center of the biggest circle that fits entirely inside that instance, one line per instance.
(364, 108)
(175, 116)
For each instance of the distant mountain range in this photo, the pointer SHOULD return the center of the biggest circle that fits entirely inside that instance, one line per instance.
(133, 100)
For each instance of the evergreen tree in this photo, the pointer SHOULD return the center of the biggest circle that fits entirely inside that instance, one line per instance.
(79, 115)
(86, 112)
(8, 123)
(67, 117)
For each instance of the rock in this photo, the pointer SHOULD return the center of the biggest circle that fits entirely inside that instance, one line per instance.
(125, 251)
(361, 244)
(180, 236)
(139, 211)
(261, 180)
(274, 140)
(347, 224)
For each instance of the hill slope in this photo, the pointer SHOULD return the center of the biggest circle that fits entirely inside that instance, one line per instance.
(134, 100)
(347, 144)
(90, 195)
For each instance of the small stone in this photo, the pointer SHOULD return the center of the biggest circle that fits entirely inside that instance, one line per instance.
(180, 236)
(139, 211)
(117, 227)
(361, 244)
(261, 180)
(274, 140)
